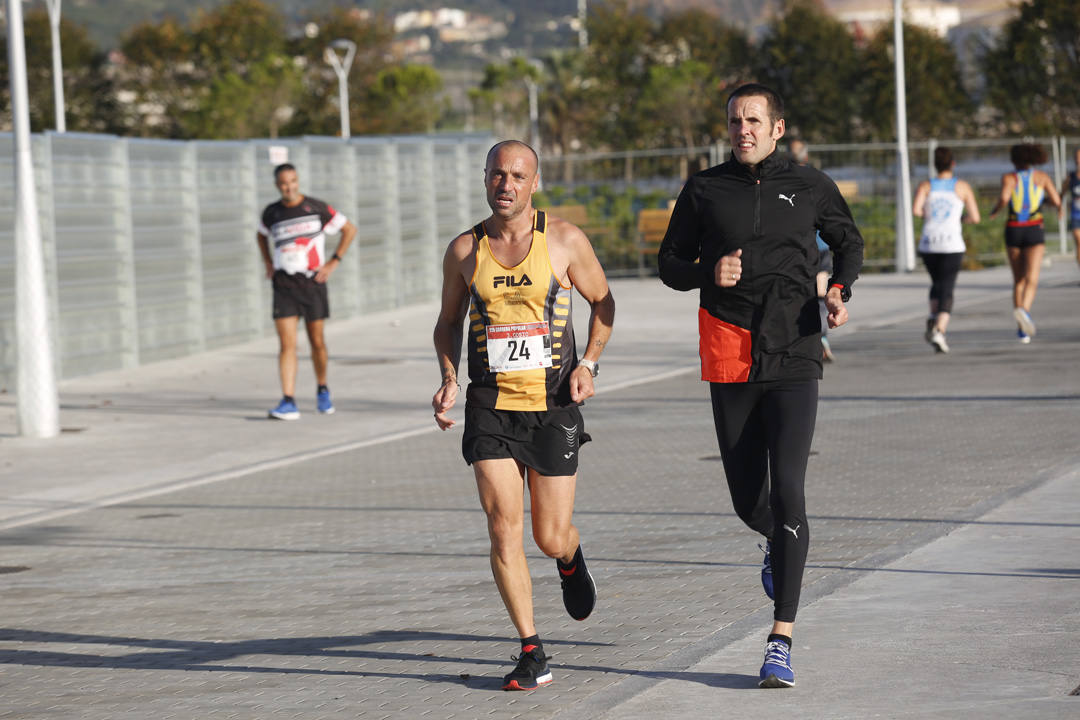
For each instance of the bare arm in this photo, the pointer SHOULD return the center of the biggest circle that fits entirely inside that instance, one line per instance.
(971, 206)
(448, 332)
(264, 250)
(918, 205)
(1051, 192)
(1008, 181)
(588, 276)
(348, 232)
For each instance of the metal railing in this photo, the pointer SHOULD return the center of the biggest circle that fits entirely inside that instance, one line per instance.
(150, 246)
(615, 187)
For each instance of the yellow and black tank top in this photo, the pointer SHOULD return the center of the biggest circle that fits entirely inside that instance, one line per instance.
(1025, 202)
(521, 337)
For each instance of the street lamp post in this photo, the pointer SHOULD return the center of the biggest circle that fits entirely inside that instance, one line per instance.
(341, 69)
(57, 68)
(37, 402)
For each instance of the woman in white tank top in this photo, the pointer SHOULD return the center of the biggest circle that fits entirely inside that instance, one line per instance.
(944, 203)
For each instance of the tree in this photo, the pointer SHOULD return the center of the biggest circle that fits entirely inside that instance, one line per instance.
(621, 40)
(89, 97)
(810, 59)
(1033, 72)
(317, 109)
(229, 75)
(937, 103)
(405, 96)
(504, 93)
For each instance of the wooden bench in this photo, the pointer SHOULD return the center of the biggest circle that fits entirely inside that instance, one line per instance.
(848, 188)
(652, 224)
(575, 214)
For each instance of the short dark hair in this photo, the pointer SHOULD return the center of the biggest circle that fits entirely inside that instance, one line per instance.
(773, 101)
(282, 168)
(943, 159)
(1025, 155)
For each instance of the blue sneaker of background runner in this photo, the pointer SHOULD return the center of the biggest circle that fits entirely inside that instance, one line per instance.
(766, 570)
(777, 672)
(323, 401)
(286, 410)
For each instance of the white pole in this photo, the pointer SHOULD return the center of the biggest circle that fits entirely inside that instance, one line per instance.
(37, 405)
(583, 32)
(1061, 171)
(341, 69)
(905, 236)
(57, 67)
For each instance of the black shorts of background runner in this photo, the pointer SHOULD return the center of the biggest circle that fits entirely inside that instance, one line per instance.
(764, 431)
(546, 441)
(1024, 236)
(943, 269)
(299, 296)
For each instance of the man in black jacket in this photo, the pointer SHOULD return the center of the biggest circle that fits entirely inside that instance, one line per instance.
(744, 234)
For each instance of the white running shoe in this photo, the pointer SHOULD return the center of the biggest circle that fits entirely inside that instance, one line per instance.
(1023, 337)
(937, 339)
(1023, 318)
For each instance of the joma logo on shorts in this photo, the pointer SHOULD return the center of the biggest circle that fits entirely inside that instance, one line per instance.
(511, 281)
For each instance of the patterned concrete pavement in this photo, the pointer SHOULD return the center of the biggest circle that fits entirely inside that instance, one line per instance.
(352, 581)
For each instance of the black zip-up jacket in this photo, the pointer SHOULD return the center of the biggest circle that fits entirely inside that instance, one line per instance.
(772, 215)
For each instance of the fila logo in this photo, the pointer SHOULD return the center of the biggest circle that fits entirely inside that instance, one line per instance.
(511, 281)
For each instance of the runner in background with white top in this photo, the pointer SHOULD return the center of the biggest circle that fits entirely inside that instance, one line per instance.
(942, 203)
(298, 267)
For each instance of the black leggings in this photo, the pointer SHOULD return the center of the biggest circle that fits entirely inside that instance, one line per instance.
(943, 269)
(764, 430)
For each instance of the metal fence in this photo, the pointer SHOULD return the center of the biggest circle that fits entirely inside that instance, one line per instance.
(150, 245)
(150, 253)
(615, 187)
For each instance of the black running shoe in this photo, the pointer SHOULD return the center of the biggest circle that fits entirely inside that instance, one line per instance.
(531, 671)
(578, 588)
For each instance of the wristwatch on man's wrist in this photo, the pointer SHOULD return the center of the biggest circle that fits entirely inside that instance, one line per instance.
(593, 367)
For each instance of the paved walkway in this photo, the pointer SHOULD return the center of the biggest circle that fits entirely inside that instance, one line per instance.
(174, 554)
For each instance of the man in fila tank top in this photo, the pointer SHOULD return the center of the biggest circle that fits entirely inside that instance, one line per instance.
(943, 203)
(1023, 193)
(509, 279)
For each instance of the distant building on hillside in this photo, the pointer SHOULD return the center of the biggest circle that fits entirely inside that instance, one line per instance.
(939, 16)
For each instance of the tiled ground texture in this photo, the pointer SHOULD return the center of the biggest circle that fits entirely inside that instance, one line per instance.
(357, 585)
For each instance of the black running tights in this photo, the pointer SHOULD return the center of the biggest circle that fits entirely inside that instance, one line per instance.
(943, 269)
(764, 430)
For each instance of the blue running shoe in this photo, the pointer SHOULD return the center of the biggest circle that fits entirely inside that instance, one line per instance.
(286, 410)
(1023, 319)
(1023, 337)
(777, 672)
(766, 570)
(322, 399)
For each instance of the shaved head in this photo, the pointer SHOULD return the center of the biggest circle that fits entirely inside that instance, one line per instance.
(512, 145)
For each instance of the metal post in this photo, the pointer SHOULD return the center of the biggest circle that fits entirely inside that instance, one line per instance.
(38, 406)
(341, 69)
(905, 236)
(57, 67)
(583, 32)
(1061, 171)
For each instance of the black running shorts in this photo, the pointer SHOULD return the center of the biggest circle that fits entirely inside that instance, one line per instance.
(1024, 236)
(298, 295)
(546, 441)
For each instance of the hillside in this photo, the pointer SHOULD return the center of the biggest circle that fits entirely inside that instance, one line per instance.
(108, 19)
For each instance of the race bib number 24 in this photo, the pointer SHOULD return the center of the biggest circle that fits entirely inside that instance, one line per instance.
(518, 346)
